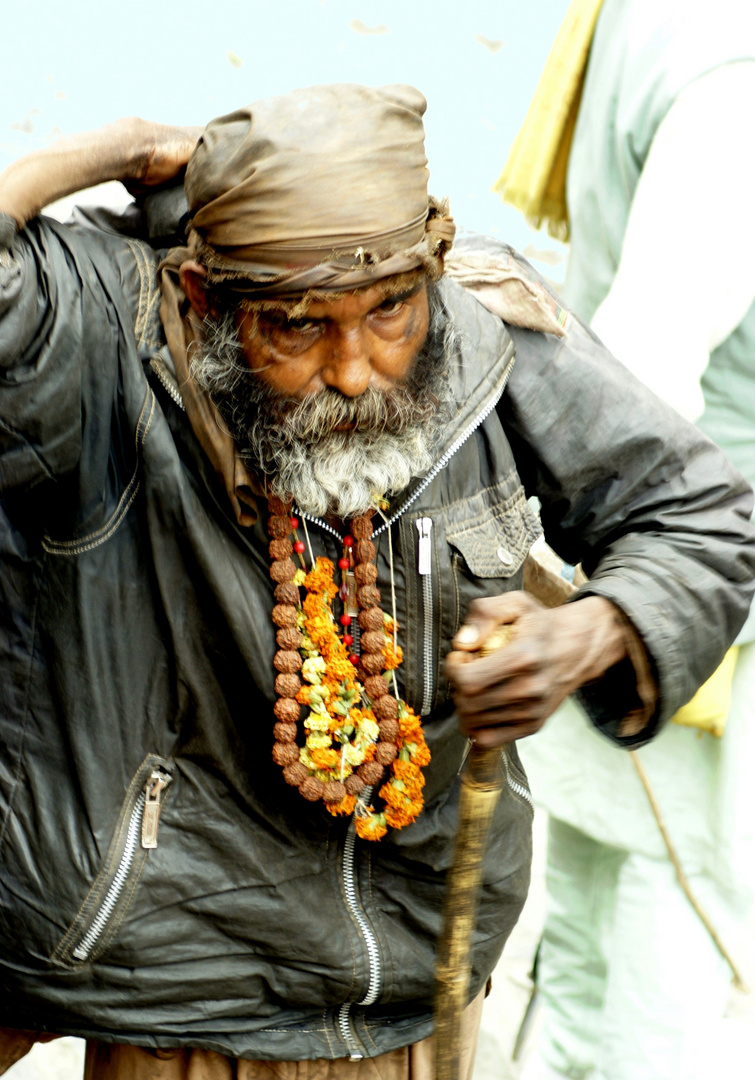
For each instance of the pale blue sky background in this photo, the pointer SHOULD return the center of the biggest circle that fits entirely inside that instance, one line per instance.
(70, 65)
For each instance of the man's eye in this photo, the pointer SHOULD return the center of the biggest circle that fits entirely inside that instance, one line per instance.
(280, 324)
(298, 326)
(390, 307)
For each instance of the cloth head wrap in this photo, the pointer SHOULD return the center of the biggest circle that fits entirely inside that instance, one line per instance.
(322, 188)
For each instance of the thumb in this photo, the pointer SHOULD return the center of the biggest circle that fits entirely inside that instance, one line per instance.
(485, 617)
(473, 633)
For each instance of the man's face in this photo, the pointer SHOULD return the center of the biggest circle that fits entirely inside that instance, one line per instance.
(365, 339)
(341, 405)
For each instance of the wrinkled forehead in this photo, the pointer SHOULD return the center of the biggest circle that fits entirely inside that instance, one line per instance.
(397, 285)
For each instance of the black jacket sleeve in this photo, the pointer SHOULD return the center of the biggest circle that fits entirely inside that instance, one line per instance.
(649, 505)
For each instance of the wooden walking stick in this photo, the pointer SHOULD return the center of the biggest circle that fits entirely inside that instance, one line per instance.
(481, 783)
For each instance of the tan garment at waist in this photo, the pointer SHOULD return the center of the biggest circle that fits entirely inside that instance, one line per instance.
(117, 1061)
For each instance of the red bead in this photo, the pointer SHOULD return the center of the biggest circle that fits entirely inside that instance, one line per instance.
(343, 563)
(294, 522)
(354, 659)
(346, 620)
(300, 547)
(348, 541)
(348, 640)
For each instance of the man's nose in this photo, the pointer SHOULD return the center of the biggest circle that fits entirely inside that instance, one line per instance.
(348, 368)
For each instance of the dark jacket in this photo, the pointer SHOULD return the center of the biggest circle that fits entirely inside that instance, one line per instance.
(137, 649)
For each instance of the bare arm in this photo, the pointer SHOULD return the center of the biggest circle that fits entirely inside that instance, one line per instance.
(136, 152)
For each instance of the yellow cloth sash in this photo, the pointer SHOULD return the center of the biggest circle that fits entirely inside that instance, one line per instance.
(534, 176)
(710, 706)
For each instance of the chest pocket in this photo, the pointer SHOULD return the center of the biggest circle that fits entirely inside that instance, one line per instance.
(459, 552)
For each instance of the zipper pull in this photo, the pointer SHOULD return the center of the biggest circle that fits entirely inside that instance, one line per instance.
(153, 791)
(424, 560)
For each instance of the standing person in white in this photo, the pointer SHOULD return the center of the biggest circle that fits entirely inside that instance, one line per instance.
(662, 265)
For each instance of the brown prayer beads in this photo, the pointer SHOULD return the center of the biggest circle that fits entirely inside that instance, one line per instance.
(288, 661)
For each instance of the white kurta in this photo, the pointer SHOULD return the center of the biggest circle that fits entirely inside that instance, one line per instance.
(666, 274)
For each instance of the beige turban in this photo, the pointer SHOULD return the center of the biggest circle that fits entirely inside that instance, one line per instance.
(321, 188)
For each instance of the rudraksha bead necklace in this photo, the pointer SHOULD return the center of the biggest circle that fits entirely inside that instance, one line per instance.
(355, 728)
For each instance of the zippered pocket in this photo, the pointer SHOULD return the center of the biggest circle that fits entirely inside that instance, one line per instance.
(136, 833)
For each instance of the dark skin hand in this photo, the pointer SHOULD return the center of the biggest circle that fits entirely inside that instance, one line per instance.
(137, 152)
(512, 691)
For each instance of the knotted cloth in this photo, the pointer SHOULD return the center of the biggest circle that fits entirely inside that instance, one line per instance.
(322, 188)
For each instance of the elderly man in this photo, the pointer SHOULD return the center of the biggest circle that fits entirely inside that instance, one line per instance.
(239, 540)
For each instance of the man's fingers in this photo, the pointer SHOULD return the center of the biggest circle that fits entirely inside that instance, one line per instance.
(487, 615)
(476, 675)
(489, 738)
(527, 694)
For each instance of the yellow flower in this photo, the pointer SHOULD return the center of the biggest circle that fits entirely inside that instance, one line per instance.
(313, 669)
(299, 578)
(353, 755)
(318, 741)
(369, 729)
(316, 722)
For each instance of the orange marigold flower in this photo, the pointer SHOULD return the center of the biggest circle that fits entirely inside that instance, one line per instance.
(343, 808)
(414, 807)
(392, 658)
(340, 669)
(404, 770)
(390, 794)
(372, 827)
(421, 756)
(320, 579)
(324, 758)
(398, 818)
(409, 726)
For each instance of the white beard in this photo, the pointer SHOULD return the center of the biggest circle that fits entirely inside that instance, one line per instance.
(348, 472)
(294, 444)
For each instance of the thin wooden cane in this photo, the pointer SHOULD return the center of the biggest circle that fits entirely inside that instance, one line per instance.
(681, 877)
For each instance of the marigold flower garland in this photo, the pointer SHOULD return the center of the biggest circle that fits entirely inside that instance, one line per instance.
(354, 728)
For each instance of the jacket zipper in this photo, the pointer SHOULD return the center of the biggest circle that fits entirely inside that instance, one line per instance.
(168, 382)
(519, 789)
(349, 857)
(425, 570)
(144, 820)
(373, 951)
